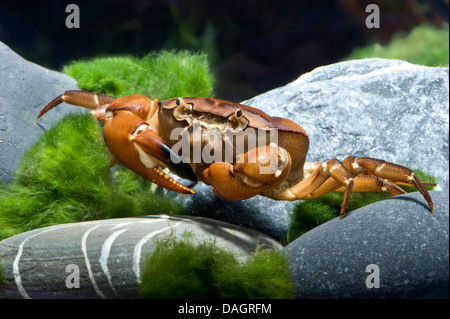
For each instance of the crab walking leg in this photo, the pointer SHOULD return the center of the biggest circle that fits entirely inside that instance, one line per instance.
(369, 183)
(361, 183)
(331, 169)
(326, 185)
(310, 167)
(385, 177)
(335, 171)
(393, 172)
(85, 99)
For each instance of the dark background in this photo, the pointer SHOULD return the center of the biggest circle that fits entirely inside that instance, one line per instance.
(253, 45)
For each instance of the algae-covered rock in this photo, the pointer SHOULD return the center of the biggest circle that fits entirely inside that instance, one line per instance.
(162, 75)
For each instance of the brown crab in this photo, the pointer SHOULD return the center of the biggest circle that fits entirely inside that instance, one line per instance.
(139, 132)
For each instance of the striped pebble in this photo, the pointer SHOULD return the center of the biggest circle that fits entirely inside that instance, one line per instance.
(105, 257)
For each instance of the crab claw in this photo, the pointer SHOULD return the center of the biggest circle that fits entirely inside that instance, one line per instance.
(133, 143)
(148, 142)
(258, 170)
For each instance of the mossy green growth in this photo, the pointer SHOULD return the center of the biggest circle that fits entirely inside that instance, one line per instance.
(160, 75)
(65, 177)
(182, 269)
(425, 45)
(309, 214)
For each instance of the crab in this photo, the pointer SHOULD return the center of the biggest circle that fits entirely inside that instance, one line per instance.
(141, 134)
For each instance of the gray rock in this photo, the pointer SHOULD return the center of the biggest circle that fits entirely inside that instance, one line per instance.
(108, 253)
(260, 213)
(25, 89)
(387, 109)
(397, 238)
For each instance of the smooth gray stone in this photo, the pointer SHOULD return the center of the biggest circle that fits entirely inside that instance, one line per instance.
(399, 235)
(108, 253)
(263, 214)
(25, 89)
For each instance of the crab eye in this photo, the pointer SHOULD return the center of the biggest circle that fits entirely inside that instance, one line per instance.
(238, 113)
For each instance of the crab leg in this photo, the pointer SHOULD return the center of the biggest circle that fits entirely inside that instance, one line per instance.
(333, 171)
(393, 172)
(80, 98)
(362, 183)
(333, 175)
(369, 183)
